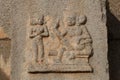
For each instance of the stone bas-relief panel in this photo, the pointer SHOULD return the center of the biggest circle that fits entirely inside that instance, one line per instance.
(72, 48)
(75, 45)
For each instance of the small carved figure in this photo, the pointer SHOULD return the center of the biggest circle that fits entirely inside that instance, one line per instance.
(84, 40)
(37, 33)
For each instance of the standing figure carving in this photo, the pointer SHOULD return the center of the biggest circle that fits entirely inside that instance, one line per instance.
(37, 33)
(65, 35)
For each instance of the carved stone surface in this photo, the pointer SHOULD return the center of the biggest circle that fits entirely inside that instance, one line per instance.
(114, 7)
(59, 40)
(5, 47)
(75, 46)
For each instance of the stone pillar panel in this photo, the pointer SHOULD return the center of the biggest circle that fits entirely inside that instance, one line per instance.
(60, 40)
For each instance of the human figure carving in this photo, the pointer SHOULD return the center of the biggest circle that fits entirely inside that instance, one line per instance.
(74, 37)
(37, 33)
(84, 37)
(66, 45)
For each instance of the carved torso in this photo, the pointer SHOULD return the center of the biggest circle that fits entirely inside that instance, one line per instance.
(37, 30)
(73, 35)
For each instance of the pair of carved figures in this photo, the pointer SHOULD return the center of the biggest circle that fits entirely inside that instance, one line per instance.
(74, 38)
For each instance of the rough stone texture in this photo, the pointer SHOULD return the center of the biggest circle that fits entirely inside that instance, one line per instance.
(25, 10)
(5, 18)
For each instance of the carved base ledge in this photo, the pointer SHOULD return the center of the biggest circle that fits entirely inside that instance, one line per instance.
(59, 68)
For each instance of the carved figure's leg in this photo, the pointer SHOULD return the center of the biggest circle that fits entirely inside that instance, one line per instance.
(35, 50)
(41, 51)
(60, 55)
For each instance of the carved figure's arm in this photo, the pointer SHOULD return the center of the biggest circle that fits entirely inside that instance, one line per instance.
(56, 31)
(31, 33)
(85, 37)
(64, 33)
(85, 33)
(61, 36)
(45, 33)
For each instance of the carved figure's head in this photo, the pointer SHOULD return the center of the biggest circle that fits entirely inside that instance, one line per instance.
(37, 20)
(41, 20)
(34, 21)
(82, 19)
(70, 20)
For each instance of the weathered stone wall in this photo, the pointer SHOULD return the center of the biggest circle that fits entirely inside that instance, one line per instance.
(26, 10)
(113, 24)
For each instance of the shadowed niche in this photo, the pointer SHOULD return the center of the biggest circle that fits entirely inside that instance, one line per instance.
(113, 25)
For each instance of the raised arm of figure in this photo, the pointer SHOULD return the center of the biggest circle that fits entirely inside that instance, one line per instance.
(31, 33)
(85, 37)
(45, 33)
